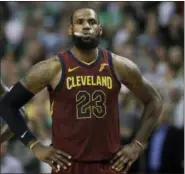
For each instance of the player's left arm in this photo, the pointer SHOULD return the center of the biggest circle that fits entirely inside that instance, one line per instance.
(129, 75)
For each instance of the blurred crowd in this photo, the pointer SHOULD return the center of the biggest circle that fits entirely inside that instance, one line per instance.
(149, 33)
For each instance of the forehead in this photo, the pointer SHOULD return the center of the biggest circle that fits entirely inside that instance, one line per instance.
(85, 14)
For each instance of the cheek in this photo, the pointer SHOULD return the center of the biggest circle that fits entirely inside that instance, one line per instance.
(98, 30)
(76, 28)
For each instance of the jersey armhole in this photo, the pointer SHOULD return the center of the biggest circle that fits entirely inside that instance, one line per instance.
(112, 68)
(62, 78)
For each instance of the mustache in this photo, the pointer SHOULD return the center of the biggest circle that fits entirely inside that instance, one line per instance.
(79, 34)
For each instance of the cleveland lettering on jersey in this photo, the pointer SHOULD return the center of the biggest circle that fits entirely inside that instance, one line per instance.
(77, 81)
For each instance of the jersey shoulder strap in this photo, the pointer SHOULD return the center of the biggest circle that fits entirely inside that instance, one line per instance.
(108, 55)
(61, 57)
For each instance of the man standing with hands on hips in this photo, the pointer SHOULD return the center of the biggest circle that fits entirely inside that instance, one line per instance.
(83, 85)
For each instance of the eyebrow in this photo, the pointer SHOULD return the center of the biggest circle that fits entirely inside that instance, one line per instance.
(81, 18)
(93, 19)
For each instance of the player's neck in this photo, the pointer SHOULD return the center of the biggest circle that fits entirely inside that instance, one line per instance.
(86, 56)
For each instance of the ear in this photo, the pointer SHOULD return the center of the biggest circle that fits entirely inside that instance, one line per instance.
(70, 30)
(101, 30)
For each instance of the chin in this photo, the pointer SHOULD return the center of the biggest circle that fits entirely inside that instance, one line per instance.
(87, 40)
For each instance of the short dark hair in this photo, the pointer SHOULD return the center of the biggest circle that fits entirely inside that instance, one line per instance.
(72, 14)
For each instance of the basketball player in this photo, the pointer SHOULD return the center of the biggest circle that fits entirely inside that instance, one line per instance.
(84, 84)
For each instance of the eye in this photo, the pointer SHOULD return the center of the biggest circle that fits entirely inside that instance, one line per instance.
(79, 21)
(92, 22)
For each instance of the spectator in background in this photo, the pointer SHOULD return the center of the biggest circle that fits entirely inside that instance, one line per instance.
(165, 148)
(165, 11)
(177, 101)
(161, 55)
(151, 35)
(49, 38)
(9, 70)
(152, 75)
(175, 57)
(124, 35)
(5, 15)
(35, 51)
(8, 163)
(14, 29)
(174, 32)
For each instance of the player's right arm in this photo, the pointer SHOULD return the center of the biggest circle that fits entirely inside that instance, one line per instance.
(5, 131)
(39, 76)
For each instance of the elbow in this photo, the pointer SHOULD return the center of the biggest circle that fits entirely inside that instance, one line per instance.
(157, 104)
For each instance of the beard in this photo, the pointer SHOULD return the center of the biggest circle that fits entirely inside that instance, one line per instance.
(86, 43)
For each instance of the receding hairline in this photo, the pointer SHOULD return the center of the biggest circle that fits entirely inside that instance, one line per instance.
(85, 8)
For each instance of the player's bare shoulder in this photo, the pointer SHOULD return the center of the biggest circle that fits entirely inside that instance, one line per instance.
(125, 69)
(41, 74)
(130, 75)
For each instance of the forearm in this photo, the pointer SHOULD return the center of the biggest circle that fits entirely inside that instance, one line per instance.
(3, 90)
(6, 132)
(9, 111)
(148, 120)
(15, 121)
(38, 77)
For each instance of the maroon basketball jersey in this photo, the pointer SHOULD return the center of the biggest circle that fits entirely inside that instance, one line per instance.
(85, 108)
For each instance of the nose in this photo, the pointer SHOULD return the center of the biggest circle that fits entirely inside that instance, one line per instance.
(86, 26)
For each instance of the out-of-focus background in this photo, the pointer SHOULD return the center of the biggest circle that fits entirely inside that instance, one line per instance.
(149, 33)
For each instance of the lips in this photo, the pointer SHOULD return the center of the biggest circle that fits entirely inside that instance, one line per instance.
(87, 34)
